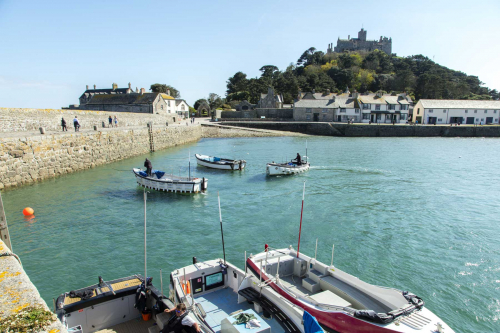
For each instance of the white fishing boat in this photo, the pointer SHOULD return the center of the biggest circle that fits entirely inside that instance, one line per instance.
(161, 181)
(220, 163)
(338, 300)
(290, 168)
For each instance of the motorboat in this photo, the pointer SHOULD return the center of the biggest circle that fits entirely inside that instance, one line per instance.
(340, 301)
(117, 305)
(220, 163)
(216, 291)
(161, 181)
(289, 168)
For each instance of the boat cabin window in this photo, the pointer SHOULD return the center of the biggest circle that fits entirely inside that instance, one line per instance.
(214, 280)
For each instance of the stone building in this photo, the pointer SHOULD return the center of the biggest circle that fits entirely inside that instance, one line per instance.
(361, 43)
(89, 93)
(129, 102)
(270, 100)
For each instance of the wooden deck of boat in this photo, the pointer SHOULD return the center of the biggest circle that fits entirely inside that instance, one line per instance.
(132, 326)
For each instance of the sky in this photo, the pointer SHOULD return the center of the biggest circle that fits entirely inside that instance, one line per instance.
(50, 50)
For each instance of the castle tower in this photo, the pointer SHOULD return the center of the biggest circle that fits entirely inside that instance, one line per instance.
(362, 35)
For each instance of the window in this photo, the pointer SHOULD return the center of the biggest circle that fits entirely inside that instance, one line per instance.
(356, 111)
(308, 117)
(308, 110)
(444, 111)
(379, 116)
(404, 107)
(342, 110)
(418, 111)
(325, 110)
(377, 107)
(392, 107)
(162, 106)
(440, 119)
(482, 119)
(367, 106)
(496, 120)
(466, 111)
(404, 116)
(324, 116)
(475, 111)
(431, 111)
(182, 107)
(485, 111)
(168, 103)
(366, 116)
(495, 111)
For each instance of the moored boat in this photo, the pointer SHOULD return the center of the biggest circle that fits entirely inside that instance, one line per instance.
(290, 168)
(340, 301)
(161, 181)
(220, 163)
(217, 292)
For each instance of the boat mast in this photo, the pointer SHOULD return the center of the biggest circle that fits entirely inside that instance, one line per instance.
(221, 232)
(189, 164)
(301, 211)
(306, 152)
(145, 253)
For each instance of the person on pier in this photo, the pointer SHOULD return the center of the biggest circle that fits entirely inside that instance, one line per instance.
(63, 124)
(148, 166)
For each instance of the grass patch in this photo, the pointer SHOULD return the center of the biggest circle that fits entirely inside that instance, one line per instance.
(29, 319)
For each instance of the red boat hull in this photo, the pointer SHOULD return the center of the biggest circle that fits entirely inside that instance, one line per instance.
(338, 321)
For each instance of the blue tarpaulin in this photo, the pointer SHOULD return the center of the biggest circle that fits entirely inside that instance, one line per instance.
(159, 173)
(311, 325)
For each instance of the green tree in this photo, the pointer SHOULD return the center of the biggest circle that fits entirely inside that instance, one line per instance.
(163, 88)
(237, 83)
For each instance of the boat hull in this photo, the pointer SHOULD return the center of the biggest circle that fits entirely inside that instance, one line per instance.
(342, 319)
(273, 169)
(224, 164)
(178, 184)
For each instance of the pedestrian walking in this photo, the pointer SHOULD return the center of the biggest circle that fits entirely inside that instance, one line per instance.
(110, 122)
(77, 124)
(63, 124)
(116, 122)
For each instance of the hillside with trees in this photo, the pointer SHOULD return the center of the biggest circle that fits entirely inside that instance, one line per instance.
(372, 71)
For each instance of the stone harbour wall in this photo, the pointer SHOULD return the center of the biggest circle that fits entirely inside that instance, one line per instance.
(24, 160)
(22, 120)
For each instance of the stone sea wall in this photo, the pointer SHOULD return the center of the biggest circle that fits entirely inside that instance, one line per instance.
(24, 160)
(21, 120)
(373, 130)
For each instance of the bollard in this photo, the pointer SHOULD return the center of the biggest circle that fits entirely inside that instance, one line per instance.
(95, 128)
(42, 130)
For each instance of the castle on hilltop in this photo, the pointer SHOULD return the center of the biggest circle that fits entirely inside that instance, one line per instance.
(360, 43)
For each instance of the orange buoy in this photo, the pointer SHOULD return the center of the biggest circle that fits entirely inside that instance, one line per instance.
(188, 288)
(28, 211)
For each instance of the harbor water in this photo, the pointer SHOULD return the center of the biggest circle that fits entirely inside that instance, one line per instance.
(417, 214)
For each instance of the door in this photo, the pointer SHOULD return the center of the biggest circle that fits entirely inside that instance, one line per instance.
(470, 120)
(339, 118)
(316, 116)
(419, 120)
(373, 118)
(432, 120)
(489, 120)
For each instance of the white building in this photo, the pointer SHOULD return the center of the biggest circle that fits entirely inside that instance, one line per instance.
(443, 111)
(182, 108)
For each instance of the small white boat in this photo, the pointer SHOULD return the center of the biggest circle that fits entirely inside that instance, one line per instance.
(217, 292)
(290, 168)
(169, 183)
(220, 163)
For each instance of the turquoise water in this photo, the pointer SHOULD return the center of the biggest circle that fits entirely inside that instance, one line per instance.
(419, 214)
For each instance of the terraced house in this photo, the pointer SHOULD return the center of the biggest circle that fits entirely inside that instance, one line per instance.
(354, 107)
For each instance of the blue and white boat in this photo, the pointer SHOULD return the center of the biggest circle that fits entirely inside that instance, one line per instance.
(220, 163)
(161, 181)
